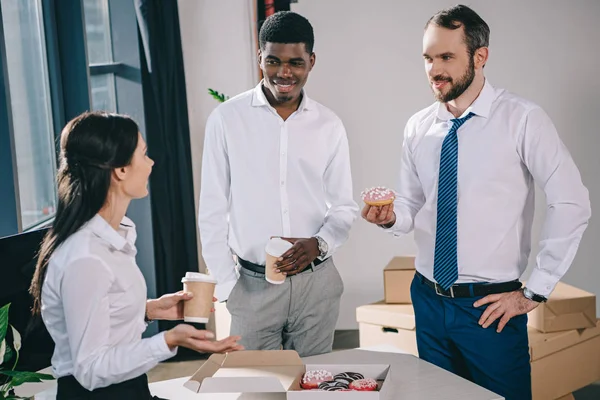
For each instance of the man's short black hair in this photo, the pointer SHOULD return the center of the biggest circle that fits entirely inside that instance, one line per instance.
(477, 32)
(287, 27)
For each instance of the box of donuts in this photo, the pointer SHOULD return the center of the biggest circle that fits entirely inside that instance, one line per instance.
(281, 374)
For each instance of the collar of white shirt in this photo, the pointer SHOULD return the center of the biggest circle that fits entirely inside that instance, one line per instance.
(480, 107)
(101, 228)
(260, 100)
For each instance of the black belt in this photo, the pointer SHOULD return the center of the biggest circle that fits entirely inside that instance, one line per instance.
(471, 289)
(261, 268)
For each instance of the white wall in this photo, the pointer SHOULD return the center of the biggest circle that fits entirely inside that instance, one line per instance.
(369, 71)
(218, 53)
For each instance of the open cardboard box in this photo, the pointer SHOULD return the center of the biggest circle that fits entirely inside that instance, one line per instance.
(273, 375)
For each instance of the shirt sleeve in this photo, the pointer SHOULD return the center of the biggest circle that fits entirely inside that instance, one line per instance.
(213, 211)
(409, 193)
(567, 200)
(343, 210)
(85, 288)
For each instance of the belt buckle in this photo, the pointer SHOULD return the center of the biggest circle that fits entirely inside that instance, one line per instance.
(438, 291)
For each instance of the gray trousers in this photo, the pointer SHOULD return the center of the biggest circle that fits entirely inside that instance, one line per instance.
(299, 314)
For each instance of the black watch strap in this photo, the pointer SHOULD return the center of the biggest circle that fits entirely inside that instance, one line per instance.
(538, 298)
(534, 296)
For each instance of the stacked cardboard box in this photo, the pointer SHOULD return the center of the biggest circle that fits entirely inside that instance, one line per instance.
(564, 334)
(564, 343)
(397, 276)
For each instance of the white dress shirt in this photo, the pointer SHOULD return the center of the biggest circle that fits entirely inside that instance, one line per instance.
(93, 305)
(508, 146)
(263, 176)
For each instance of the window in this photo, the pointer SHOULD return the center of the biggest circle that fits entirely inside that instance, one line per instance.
(30, 109)
(100, 54)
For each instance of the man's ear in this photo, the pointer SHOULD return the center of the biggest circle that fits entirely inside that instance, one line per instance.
(480, 57)
(259, 57)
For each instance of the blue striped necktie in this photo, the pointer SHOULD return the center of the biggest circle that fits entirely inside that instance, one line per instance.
(445, 262)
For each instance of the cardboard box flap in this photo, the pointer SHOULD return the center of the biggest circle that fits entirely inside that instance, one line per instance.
(400, 263)
(579, 301)
(543, 344)
(570, 302)
(567, 308)
(564, 291)
(396, 316)
(574, 312)
(281, 364)
(257, 358)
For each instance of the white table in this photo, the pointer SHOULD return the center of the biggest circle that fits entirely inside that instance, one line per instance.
(411, 378)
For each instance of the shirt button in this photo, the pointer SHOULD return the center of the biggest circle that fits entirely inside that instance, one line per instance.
(282, 183)
(285, 211)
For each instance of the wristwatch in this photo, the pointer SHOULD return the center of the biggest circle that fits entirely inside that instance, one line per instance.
(146, 319)
(532, 296)
(323, 247)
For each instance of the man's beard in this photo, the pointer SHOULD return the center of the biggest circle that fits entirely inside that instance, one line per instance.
(458, 87)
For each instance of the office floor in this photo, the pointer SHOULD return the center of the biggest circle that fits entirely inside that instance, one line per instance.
(186, 364)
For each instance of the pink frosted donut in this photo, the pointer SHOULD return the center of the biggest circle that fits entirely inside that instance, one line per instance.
(364, 385)
(312, 379)
(378, 196)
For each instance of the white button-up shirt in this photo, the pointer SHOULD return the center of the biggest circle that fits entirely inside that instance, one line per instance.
(93, 305)
(263, 176)
(508, 145)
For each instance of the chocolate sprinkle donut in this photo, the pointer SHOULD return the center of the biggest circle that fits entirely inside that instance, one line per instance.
(332, 386)
(347, 377)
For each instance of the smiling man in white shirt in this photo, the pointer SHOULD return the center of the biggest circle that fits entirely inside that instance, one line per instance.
(469, 167)
(276, 163)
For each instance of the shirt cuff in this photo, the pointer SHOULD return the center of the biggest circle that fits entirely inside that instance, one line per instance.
(160, 348)
(223, 290)
(396, 229)
(541, 282)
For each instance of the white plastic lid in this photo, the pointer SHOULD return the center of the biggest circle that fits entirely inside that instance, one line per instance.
(277, 246)
(198, 277)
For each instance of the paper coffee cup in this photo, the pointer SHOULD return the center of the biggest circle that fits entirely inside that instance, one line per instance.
(197, 309)
(275, 248)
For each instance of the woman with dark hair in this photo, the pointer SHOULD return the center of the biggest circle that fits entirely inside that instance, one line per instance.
(87, 286)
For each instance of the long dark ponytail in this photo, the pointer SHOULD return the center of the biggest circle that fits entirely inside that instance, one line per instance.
(92, 145)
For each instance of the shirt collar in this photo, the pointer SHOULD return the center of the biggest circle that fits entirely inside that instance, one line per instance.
(260, 100)
(480, 107)
(101, 228)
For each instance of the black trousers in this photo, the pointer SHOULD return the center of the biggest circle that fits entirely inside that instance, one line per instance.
(133, 389)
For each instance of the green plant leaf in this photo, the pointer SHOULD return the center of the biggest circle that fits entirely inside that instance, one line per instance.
(2, 351)
(4, 321)
(26, 373)
(218, 96)
(8, 355)
(20, 377)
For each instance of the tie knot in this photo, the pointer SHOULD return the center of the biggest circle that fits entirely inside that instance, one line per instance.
(460, 121)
